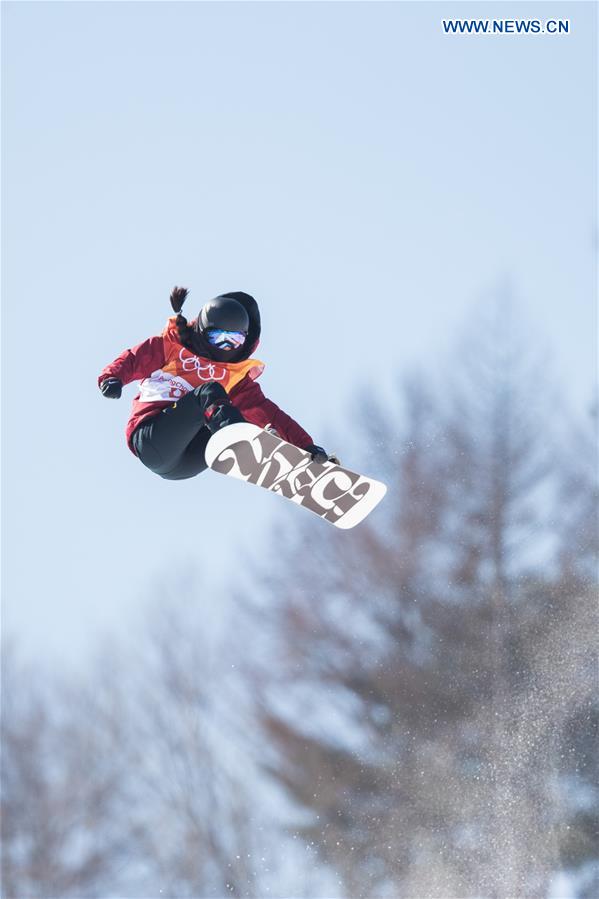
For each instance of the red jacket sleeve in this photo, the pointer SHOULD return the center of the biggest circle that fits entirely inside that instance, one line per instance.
(137, 363)
(259, 410)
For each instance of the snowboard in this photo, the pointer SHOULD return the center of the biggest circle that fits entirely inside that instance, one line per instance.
(334, 493)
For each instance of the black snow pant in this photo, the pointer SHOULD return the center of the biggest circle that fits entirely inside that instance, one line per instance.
(172, 442)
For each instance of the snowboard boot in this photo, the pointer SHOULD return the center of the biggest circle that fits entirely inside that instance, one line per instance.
(217, 408)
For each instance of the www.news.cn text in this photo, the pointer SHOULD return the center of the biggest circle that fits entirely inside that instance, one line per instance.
(506, 26)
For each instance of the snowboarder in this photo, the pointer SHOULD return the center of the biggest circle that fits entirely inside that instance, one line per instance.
(198, 377)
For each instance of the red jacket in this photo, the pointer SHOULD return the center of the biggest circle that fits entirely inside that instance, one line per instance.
(168, 370)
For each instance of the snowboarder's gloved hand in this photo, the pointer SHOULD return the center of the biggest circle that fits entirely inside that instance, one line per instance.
(217, 408)
(320, 455)
(111, 388)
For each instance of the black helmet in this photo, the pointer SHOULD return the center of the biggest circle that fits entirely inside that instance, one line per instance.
(223, 313)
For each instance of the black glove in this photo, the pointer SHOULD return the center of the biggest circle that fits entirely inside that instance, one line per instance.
(111, 388)
(217, 408)
(320, 455)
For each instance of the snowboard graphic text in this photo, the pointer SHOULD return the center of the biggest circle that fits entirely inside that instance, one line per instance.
(262, 458)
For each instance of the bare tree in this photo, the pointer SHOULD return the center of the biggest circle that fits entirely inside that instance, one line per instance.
(132, 781)
(416, 711)
(62, 834)
(189, 810)
(422, 689)
(578, 500)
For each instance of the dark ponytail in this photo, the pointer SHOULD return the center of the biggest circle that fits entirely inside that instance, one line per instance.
(178, 297)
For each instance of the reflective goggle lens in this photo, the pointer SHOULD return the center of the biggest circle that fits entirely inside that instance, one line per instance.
(225, 339)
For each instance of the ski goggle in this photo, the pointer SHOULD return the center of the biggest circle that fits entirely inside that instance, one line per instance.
(225, 340)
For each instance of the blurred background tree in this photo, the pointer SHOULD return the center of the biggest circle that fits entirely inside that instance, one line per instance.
(130, 782)
(408, 709)
(456, 637)
(63, 785)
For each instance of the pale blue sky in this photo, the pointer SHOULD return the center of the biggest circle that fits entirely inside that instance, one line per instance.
(347, 163)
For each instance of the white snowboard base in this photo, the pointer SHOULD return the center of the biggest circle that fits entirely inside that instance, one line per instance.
(334, 493)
